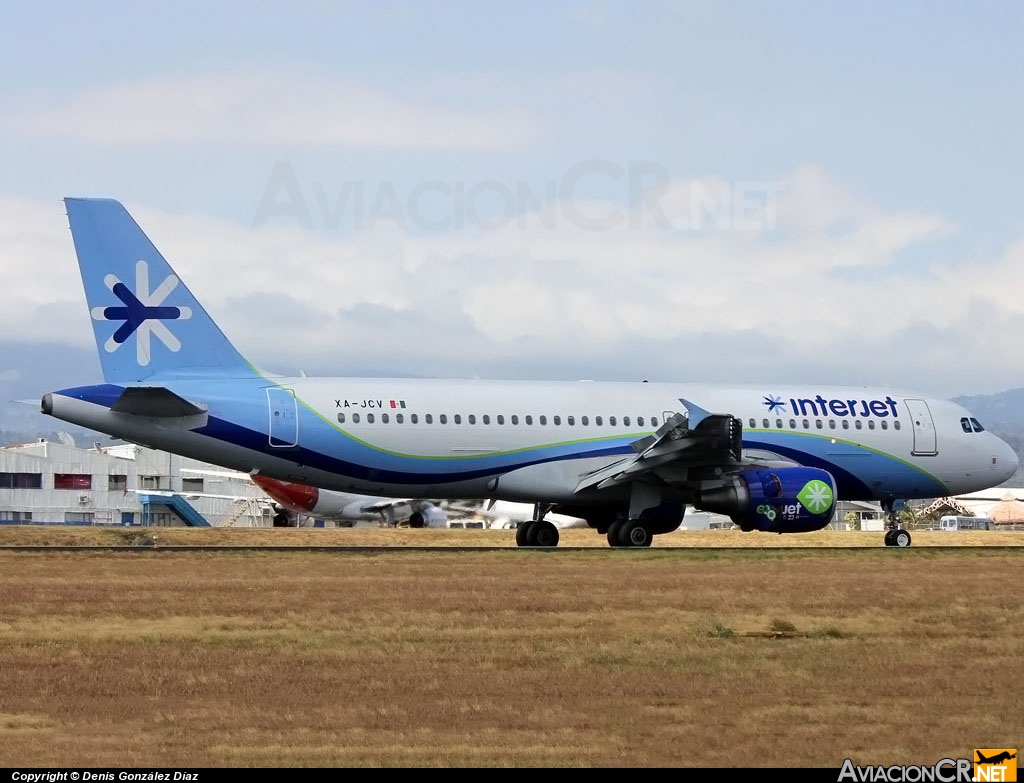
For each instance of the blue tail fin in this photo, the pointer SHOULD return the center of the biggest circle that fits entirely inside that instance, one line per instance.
(146, 322)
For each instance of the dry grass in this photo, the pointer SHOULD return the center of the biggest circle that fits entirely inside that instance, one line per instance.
(38, 535)
(625, 658)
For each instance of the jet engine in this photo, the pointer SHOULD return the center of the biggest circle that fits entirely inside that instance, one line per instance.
(779, 500)
(428, 515)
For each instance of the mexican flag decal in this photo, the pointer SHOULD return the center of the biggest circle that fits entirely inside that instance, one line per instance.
(397, 403)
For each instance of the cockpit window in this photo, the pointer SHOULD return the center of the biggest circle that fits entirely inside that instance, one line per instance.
(965, 424)
(976, 425)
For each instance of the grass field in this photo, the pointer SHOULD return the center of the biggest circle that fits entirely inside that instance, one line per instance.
(666, 657)
(40, 535)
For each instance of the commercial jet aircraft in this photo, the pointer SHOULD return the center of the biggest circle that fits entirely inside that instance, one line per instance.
(293, 500)
(627, 457)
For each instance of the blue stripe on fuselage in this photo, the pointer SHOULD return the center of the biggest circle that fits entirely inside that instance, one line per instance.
(900, 478)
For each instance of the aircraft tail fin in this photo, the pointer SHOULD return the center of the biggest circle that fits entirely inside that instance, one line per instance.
(145, 320)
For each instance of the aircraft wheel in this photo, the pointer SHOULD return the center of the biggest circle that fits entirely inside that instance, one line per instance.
(634, 533)
(901, 538)
(613, 533)
(543, 534)
(888, 537)
(523, 532)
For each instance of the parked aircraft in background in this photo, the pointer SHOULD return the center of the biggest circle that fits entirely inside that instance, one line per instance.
(506, 515)
(627, 457)
(295, 500)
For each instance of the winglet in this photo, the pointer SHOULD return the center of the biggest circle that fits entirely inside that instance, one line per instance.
(694, 413)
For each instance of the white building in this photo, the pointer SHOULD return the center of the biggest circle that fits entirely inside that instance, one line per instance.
(52, 483)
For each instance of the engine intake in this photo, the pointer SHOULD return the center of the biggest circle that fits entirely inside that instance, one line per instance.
(781, 500)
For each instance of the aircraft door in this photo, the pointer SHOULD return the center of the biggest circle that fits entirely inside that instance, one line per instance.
(284, 419)
(924, 428)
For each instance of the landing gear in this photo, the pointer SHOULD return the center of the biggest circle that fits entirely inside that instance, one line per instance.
(894, 534)
(538, 531)
(635, 533)
(624, 533)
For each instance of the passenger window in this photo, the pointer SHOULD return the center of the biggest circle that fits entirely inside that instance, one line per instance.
(765, 423)
(752, 423)
(457, 418)
(858, 425)
(817, 423)
(965, 424)
(778, 423)
(428, 418)
(792, 424)
(500, 418)
(384, 418)
(557, 420)
(625, 421)
(611, 421)
(529, 420)
(443, 418)
(871, 424)
(885, 424)
(414, 418)
(369, 418)
(896, 425)
(570, 420)
(515, 419)
(486, 418)
(355, 418)
(597, 421)
(341, 418)
(807, 424)
(654, 421)
(471, 418)
(831, 424)
(399, 418)
(977, 425)
(543, 421)
(846, 424)
(584, 420)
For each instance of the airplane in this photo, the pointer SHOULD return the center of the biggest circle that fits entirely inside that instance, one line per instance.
(293, 500)
(996, 759)
(504, 514)
(626, 456)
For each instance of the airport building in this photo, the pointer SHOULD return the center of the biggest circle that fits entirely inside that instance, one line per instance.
(58, 483)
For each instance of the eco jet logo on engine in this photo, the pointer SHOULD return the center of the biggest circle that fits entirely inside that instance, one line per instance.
(142, 313)
(816, 496)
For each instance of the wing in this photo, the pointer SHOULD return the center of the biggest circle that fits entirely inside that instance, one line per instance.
(685, 442)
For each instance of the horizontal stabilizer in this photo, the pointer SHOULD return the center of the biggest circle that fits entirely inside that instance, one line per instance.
(154, 401)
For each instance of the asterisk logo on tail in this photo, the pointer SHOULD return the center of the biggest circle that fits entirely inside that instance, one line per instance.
(142, 312)
(774, 403)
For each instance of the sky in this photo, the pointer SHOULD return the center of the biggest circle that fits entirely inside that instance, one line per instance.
(677, 190)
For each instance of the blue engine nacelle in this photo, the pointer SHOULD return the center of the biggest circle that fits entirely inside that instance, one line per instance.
(778, 500)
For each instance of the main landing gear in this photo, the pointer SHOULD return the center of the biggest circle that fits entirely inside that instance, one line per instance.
(537, 531)
(894, 534)
(622, 532)
(629, 533)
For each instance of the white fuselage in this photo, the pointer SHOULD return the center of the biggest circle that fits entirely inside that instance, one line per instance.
(532, 441)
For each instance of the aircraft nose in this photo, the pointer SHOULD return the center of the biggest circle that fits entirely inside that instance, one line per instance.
(1006, 458)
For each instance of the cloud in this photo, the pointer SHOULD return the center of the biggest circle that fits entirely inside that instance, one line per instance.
(545, 298)
(260, 107)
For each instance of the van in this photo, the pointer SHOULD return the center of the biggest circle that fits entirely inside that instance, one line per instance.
(965, 523)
